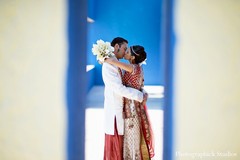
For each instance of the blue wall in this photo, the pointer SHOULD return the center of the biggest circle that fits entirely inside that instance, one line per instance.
(138, 21)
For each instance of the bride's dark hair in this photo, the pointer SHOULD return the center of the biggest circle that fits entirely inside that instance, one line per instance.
(139, 53)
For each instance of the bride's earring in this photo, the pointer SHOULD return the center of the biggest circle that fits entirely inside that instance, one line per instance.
(132, 59)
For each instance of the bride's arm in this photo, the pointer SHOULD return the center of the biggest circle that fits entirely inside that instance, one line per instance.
(124, 66)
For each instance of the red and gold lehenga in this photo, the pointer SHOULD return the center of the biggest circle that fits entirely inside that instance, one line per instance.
(138, 135)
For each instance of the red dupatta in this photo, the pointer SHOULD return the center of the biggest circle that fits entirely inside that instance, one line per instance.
(147, 130)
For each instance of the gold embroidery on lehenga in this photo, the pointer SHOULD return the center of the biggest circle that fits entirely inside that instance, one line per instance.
(135, 147)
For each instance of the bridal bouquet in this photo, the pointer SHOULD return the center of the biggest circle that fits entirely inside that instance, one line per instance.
(102, 50)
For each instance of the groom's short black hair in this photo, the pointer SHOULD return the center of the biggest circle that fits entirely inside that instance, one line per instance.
(118, 40)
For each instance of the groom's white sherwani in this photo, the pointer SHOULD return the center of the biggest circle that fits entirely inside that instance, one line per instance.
(113, 98)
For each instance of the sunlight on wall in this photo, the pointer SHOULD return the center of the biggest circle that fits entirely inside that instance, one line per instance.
(207, 89)
(154, 91)
(32, 71)
(89, 68)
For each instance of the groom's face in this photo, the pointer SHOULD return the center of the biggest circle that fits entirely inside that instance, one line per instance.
(122, 49)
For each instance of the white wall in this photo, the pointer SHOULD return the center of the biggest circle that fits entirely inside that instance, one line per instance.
(207, 89)
(32, 79)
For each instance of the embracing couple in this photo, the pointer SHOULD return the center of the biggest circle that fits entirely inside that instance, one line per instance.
(128, 133)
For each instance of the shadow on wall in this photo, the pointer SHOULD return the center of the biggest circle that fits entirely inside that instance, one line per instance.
(76, 80)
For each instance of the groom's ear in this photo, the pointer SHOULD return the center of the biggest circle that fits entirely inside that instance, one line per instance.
(116, 47)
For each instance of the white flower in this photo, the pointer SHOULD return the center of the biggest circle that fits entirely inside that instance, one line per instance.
(102, 50)
(143, 62)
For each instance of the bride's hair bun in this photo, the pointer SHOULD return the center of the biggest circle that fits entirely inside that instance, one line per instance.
(139, 53)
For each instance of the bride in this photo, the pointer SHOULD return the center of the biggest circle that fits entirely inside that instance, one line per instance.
(138, 135)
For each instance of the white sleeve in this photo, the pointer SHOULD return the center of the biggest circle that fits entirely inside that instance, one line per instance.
(112, 80)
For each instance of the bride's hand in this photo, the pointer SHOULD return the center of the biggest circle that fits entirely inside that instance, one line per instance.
(110, 60)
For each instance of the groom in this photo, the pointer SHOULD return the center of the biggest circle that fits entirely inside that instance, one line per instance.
(113, 102)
